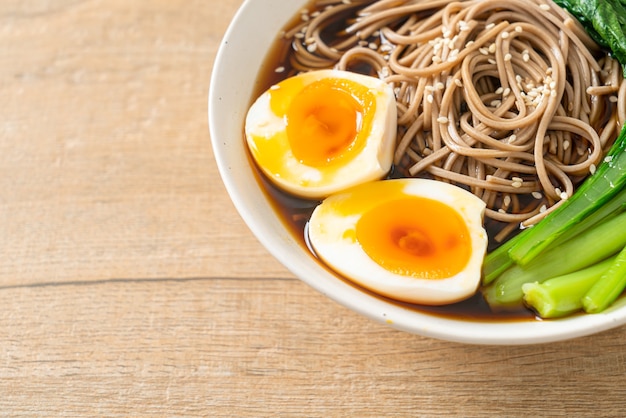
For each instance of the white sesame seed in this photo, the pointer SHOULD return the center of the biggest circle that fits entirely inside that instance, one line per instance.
(516, 184)
(537, 195)
(608, 158)
(275, 87)
(525, 57)
(430, 98)
(517, 179)
(508, 57)
(501, 210)
(490, 26)
(439, 85)
(557, 190)
(592, 169)
(458, 82)
(492, 48)
(311, 47)
(507, 200)
(564, 196)
(483, 51)
(429, 88)
(504, 35)
(491, 61)
(499, 90)
(373, 46)
(512, 138)
(519, 29)
(506, 92)
(613, 99)
(544, 7)
(436, 59)
(542, 209)
(279, 69)
(442, 119)
(495, 103)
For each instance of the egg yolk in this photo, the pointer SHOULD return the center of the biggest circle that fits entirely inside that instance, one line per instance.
(327, 121)
(415, 237)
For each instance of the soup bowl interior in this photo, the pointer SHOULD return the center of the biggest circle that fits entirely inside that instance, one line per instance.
(233, 82)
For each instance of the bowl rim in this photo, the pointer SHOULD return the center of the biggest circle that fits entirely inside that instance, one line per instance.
(225, 91)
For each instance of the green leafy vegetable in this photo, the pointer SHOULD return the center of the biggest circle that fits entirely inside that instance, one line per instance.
(562, 295)
(589, 247)
(608, 180)
(609, 286)
(497, 261)
(604, 20)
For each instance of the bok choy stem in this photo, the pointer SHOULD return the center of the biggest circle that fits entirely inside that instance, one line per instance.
(589, 247)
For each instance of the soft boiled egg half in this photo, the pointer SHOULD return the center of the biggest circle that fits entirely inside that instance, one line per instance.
(322, 131)
(414, 240)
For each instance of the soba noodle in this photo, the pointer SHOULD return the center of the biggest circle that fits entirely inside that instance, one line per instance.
(512, 100)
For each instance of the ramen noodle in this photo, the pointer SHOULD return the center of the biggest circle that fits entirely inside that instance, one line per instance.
(510, 100)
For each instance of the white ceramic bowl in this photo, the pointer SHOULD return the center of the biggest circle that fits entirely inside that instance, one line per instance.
(240, 56)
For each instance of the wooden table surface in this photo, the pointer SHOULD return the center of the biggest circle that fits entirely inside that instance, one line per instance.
(129, 286)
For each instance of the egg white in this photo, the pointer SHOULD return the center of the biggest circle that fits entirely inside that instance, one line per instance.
(372, 162)
(331, 234)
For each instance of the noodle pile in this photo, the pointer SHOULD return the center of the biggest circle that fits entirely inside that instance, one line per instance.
(511, 100)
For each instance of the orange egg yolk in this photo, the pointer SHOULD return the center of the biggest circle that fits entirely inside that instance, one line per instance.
(328, 120)
(415, 237)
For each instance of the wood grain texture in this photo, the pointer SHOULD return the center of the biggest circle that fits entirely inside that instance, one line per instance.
(129, 286)
(106, 167)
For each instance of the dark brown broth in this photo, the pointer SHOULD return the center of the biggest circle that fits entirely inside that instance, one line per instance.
(295, 212)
